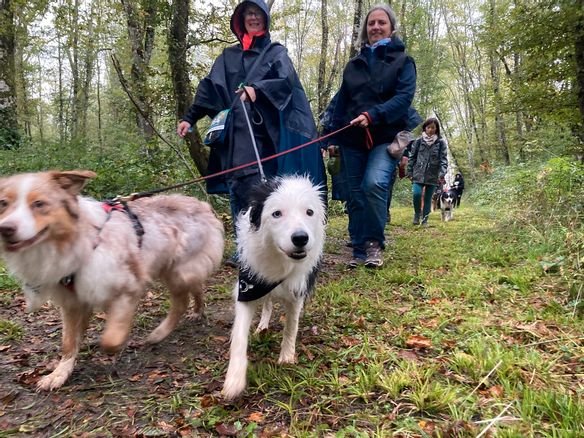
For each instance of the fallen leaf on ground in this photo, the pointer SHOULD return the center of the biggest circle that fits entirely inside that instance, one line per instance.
(256, 417)
(417, 341)
(408, 355)
(226, 429)
(494, 391)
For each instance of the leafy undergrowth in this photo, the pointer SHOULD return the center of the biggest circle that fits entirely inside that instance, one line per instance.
(468, 329)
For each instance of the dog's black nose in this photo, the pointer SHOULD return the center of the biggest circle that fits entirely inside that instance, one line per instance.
(299, 239)
(7, 230)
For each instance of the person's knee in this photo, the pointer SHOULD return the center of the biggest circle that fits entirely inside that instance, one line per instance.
(375, 185)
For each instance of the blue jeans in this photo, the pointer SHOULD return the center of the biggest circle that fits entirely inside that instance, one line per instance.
(369, 174)
(417, 192)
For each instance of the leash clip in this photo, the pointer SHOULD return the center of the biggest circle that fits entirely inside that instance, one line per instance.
(123, 199)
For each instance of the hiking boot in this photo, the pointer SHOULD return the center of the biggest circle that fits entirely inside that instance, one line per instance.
(355, 262)
(374, 255)
(416, 220)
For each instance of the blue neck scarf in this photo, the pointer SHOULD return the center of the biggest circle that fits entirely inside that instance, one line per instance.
(383, 42)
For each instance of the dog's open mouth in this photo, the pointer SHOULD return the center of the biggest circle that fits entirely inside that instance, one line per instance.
(297, 255)
(21, 244)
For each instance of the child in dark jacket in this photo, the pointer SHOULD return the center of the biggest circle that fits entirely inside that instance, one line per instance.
(427, 165)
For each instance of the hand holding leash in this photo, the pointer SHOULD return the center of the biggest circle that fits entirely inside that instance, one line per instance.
(246, 93)
(362, 121)
(182, 128)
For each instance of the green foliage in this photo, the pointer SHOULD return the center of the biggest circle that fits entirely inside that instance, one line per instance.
(9, 134)
(121, 168)
(9, 331)
(541, 194)
(6, 281)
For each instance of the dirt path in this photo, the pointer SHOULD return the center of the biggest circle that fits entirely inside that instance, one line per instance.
(137, 393)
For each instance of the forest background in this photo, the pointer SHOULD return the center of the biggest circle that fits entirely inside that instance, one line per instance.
(408, 350)
(101, 84)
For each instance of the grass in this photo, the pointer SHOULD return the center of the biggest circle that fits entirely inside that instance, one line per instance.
(496, 325)
(470, 324)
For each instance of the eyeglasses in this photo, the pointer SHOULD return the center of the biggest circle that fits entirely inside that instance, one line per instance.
(250, 13)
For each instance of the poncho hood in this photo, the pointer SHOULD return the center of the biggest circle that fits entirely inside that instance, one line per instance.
(237, 23)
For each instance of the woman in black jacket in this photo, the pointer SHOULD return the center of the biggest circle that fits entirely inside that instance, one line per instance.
(427, 167)
(376, 93)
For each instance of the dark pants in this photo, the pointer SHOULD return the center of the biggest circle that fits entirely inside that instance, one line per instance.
(458, 196)
(242, 152)
(369, 174)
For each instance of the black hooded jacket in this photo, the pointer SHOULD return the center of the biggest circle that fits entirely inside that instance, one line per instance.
(280, 102)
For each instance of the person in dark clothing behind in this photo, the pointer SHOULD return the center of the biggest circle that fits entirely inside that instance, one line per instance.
(274, 100)
(427, 166)
(458, 186)
(376, 93)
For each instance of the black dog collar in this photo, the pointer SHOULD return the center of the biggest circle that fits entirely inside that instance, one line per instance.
(251, 288)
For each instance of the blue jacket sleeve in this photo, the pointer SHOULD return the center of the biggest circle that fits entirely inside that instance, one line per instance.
(397, 107)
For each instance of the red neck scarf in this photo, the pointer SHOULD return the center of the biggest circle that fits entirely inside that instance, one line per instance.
(247, 39)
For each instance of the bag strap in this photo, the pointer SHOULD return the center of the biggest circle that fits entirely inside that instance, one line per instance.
(258, 61)
(254, 68)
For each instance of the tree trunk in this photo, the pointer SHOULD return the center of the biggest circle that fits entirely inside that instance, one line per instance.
(73, 54)
(9, 134)
(322, 96)
(177, 58)
(141, 34)
(579, 47)
(495, 77)
(89, 60)
(356, 27)
(61, 118)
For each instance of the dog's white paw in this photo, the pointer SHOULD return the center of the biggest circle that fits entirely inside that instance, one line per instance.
(261, 328)
(58, 377)
(287, 357)
(157, 336)
(53, 381)
(233, 387)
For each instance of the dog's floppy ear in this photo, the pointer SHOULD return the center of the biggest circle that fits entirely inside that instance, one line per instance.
(255, 215)
(72, 181)
(257, 196)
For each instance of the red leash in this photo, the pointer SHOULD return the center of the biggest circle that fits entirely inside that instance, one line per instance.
(134, 196)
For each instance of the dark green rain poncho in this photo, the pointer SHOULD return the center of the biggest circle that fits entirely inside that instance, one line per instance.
(281, 111)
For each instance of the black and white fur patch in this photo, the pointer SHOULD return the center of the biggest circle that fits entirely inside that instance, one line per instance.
(447, 201)
(280, 239)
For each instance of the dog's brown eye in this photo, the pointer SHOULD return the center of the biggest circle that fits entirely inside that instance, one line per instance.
(309, 212)
(38, 204)
(3, 204)
(277, 214)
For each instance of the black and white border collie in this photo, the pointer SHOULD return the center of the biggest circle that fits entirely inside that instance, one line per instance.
(280, 239)
(447, 202)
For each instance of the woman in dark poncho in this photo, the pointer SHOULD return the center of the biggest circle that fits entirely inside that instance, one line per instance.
(275, 102)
